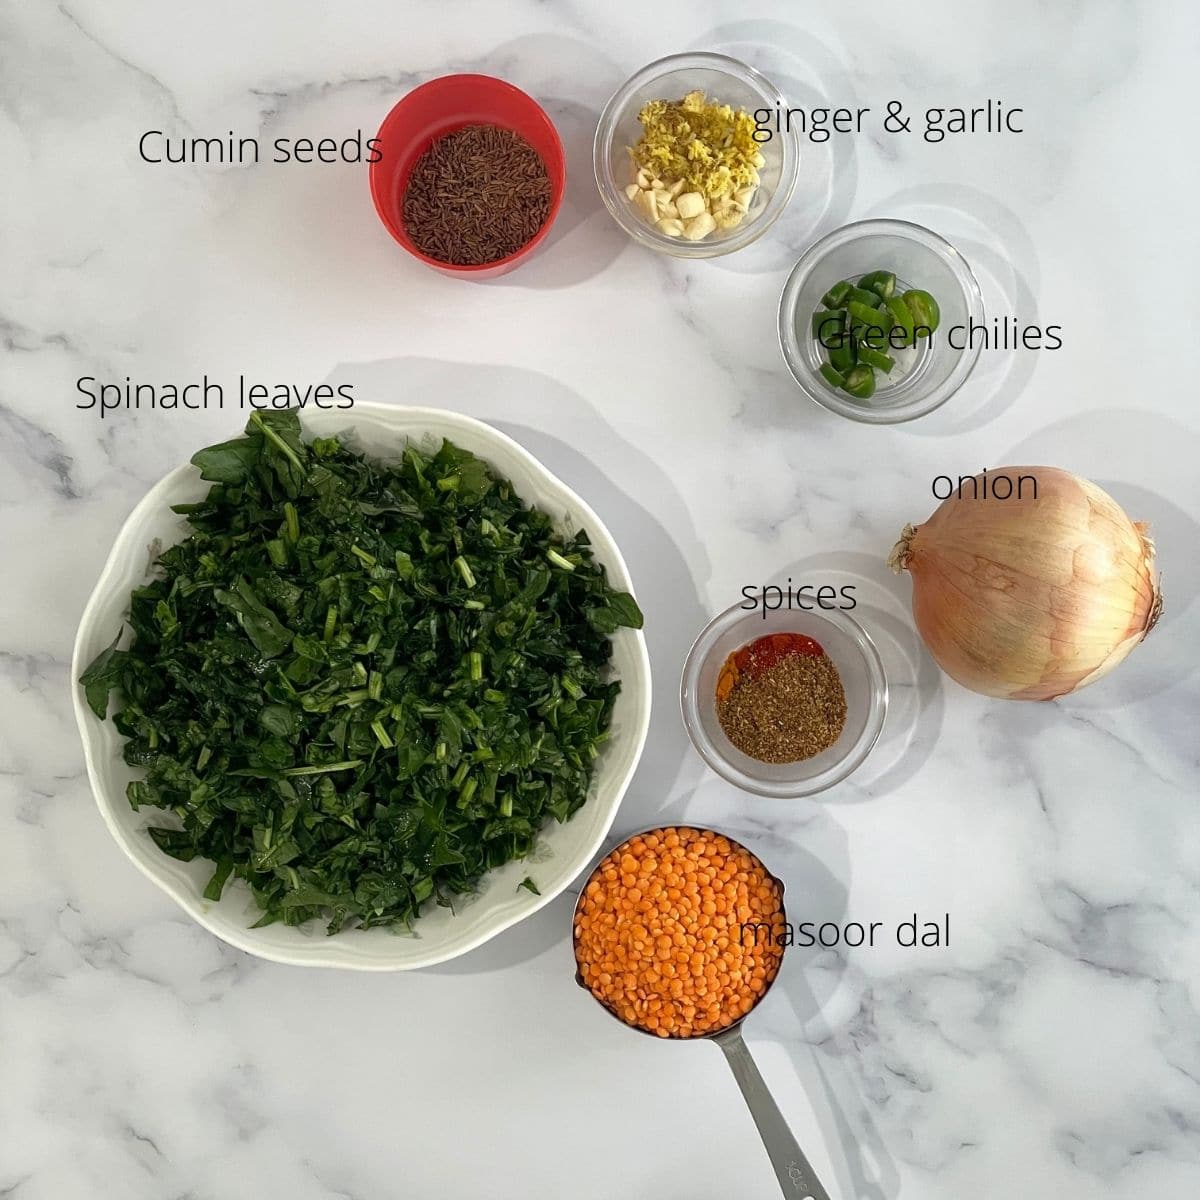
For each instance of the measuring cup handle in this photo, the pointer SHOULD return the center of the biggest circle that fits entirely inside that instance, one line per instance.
(796, 1177)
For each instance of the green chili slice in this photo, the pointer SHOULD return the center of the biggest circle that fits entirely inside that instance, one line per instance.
(832, 375)
(924, 309)
(870, 299)
(836, 296)
(876, 358)
(843, 357)
(828, 325)
(868, 315)
(882, 283)
(860, 383)
(902, 317)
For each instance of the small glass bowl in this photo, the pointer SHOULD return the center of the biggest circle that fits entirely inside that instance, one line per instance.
(720, 78)
(857, 662)
(934, 370)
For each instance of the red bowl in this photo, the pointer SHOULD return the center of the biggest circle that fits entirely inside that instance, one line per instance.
(440, 107)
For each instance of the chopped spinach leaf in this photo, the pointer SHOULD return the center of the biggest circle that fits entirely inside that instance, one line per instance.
(360, 686)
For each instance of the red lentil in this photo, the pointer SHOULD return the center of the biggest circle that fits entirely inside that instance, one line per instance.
(657, 939)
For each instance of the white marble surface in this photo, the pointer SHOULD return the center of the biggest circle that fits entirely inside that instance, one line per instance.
(1054, 1049)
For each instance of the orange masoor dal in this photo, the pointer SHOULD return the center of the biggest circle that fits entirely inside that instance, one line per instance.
(657, 934)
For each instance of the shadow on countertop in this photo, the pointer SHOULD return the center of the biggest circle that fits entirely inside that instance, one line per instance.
(808, 74)
(815, 995)
(1001, 253)
(573, 94)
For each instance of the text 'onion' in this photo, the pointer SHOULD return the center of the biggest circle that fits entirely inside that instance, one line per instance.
(1034, 597)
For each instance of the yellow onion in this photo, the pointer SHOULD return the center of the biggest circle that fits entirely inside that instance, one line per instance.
(1029, 599)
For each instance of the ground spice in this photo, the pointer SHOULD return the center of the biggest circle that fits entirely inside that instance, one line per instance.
(679, 932)
(476, 195)
(780, 699)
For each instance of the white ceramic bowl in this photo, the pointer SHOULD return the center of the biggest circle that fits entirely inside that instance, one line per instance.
(562, 851)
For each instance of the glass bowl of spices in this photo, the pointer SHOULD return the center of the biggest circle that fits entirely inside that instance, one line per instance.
(681, 163)
(470, 174)
(784, 705)
(873, 321)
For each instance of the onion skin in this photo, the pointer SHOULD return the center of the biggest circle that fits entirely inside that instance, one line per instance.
(1031, 599)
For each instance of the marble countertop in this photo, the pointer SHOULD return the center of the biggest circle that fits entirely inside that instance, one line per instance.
(1053, 1049)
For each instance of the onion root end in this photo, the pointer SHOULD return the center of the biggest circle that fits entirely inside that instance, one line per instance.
(898, 559)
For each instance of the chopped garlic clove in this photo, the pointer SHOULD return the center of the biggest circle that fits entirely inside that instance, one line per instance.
(689, 205)
(671, 227)
(647, 201)
(730, 218)
(658, 185)
(759, 161)
(675, 188)
(632, 191)
(699, 227)
(666, 208)
(643, 180)
(743, 197)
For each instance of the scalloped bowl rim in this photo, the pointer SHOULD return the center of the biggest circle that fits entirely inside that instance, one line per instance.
(438, 936)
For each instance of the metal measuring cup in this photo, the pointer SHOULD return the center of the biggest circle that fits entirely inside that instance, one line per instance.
(797, 1179)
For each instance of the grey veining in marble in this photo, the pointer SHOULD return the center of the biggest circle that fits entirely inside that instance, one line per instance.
(1053, 1049)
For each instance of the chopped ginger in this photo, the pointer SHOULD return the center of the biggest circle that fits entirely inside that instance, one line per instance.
(709, 146)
